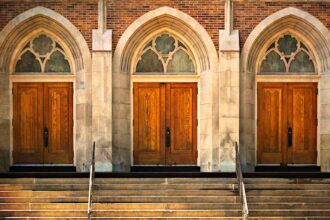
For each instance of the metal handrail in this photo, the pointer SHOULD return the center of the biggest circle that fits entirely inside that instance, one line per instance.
(91, 182)
(241, 187)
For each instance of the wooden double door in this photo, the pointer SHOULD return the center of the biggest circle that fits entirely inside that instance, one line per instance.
(42, 123)
(287, 123)
(165, 123)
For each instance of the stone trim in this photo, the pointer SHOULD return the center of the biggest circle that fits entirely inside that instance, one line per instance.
(166, 19)
(36, 20)
(317, 37)
(40, 11)
(282, 18)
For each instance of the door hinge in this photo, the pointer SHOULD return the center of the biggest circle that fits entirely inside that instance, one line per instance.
(197, 122)
(317, 91)
(133, 122)
(197, 91)
(12, 91)
(72, 123)
(317, 122)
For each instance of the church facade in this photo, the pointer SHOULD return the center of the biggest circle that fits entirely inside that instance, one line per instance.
(164, 83)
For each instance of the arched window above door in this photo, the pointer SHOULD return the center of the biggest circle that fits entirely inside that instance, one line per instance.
(42, 55)
(287, 55)
(165, 54)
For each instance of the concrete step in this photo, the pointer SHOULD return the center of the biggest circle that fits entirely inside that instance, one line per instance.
(162, 206)
(62, 187)
(123, 213)
(289, 192)
(287, 199)
(119, 193)
(289, 213)
(118, 180)
(287, 181)
(291, 206)
(180, 218)
(171, 213)
(126, 199)
(286, 186)
(119, 206)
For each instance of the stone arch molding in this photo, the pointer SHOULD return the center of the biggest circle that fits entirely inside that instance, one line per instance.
(296, 20)
(44, 18)
(41, 19)
(164, 19)
(317, 36)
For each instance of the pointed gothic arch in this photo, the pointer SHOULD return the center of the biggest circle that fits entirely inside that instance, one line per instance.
(197, 39)
(44, 20)
(316, 35)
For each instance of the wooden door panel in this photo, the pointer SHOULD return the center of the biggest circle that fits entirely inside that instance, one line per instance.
(58, 120)
(271, 116)
(302, 119)
(149, 123)
(181, 118)
(27, 123)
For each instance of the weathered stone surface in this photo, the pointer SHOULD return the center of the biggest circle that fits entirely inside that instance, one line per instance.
(228, 104)
(102, 109)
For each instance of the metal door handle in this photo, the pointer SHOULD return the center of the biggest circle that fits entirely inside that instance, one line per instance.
(289, 137)
(168, 137)
(46, 137)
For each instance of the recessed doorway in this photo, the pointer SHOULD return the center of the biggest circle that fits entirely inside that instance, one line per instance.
(287, 123)
(165, 123)
(42, 123)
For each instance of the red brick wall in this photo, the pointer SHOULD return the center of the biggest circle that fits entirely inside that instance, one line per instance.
(247, 15)
(121, 13)
(209, 13)
(82, 13)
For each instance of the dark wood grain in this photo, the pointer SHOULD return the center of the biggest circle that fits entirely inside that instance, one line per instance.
(158, 106)
(58, 120)
(149, 123)
(282, 106)
(27, 123)
(37, 106)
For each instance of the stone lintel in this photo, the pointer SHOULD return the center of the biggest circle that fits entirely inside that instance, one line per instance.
(228, 41)
(102, 40)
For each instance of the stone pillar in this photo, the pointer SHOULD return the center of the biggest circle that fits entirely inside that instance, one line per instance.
(228, 92)
(324, 122)
(102, 92)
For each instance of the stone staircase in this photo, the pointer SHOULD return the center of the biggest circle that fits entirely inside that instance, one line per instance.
(164, 198)
(288, 198)
(120, 198)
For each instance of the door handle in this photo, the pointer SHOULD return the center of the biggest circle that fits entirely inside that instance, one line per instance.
(289, 137)
(168, 137)
(45, 137)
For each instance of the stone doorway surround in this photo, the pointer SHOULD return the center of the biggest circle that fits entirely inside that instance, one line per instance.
(317, 36)
(184, 26)
(29, 22)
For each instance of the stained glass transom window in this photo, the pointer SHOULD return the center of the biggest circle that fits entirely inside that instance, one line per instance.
(287, 55)
(167, 55)
(42, 54)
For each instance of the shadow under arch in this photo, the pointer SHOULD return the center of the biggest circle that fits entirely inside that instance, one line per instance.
(205, 54)
(317, 37)
(41, 18)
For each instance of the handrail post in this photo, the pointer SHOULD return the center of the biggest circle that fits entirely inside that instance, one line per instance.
(91, 180)
(241, 187)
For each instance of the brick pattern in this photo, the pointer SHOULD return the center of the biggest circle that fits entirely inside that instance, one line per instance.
(121, 13)
(247, 14)
(82, 13)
